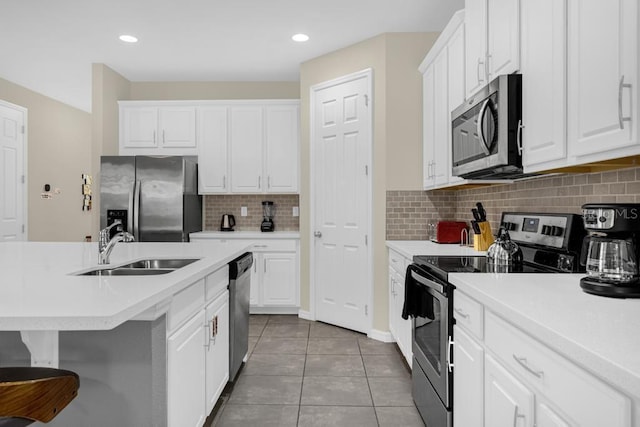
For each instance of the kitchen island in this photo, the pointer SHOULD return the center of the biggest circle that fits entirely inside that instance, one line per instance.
(141, 344)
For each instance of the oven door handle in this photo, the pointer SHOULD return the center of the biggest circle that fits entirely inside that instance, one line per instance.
(450, 344)
(481, 138)
(428, 283)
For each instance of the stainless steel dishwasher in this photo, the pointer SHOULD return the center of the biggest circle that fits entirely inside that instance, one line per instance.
(239, 288)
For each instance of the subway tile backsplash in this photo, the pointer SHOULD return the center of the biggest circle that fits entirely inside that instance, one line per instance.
(216, 206)
(409, 212)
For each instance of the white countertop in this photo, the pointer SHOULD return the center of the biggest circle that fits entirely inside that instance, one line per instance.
(37, 291)
(245, 235)
(600, 334)
(409, 248)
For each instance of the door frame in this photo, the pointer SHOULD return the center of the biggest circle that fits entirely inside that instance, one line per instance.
(368, 74)
(25, 151)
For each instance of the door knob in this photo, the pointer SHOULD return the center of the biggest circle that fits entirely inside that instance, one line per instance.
(318, 234)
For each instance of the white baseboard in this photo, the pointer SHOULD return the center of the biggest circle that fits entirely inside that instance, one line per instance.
(273, 310)
(381, 335)
(307, 315)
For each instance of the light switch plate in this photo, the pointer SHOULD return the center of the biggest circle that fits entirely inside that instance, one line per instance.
(296, 211)
(243, 211)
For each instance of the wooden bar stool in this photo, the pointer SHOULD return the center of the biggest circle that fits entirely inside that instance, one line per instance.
(29, 394)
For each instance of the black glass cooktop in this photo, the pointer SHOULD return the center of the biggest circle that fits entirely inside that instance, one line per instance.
(441, 266)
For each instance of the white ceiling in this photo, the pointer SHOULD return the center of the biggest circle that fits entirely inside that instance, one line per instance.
(49, 45)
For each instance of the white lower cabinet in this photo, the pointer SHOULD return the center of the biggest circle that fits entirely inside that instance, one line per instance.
(505, 377)
(275, 274)
(216, 348)
(275, 278)
(401, 329)
(197, 350)
(186, 374)
(507, 402)
(468, 383)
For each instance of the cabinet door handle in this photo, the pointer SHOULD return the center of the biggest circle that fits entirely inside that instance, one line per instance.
(393, 282)
(461, 313)
(207, 329)
(154, 136)
(522, 361)
(621, 86)
(163, 140)
(259, 182)
(519, 136)
(265, 265)
(260, 246)
(449, 350)
(516, 415)
(487, 70)
(269, 181)
(478, 70)
(224, 182)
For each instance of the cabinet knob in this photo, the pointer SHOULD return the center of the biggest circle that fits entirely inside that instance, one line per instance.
(317, 234)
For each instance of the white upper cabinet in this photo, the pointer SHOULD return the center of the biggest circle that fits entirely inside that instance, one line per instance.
(456, 84)
(153, 130)
(503, 37)
(213, 170)
(544, 76)
(247, 135)
(249, 146)
(492, 36)
(475, 22)
(281, 148)
(602, 76)
(442, 116)
(428, 127)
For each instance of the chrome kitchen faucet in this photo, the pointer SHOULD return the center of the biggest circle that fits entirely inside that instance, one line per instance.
(106, 244)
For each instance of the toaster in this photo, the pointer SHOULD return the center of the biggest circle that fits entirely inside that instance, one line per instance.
(449, 231)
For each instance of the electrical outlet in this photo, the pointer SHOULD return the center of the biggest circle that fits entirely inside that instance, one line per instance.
(243, 211)
(296, 211)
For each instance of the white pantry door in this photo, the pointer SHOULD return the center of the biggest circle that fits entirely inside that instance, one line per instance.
(341, 143)
(12, 122)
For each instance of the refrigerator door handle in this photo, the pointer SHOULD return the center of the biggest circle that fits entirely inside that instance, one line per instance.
(130, 212)
(136, 211)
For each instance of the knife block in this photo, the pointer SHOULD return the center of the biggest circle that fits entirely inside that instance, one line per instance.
(482, 241)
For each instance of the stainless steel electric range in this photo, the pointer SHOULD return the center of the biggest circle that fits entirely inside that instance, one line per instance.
(550, 243)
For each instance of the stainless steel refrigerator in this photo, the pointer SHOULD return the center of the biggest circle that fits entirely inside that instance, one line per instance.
(156, 198)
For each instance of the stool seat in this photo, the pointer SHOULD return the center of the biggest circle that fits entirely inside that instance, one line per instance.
(30, 394)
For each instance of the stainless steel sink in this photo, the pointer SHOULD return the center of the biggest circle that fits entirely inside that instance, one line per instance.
(144, 267)
(127, 272)
(160, 263)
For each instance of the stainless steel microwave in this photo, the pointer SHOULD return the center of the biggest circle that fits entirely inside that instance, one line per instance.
(486, 131)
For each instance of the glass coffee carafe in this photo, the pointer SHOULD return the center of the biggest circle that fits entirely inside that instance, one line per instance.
(612, 260)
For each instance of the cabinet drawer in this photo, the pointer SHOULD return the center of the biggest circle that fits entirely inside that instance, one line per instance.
(274, 246)
(185, 303)
(398, 262)
(578, 394)
(216, 282)
(468, 313)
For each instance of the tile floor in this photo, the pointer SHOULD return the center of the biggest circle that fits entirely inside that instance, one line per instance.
(302, 373)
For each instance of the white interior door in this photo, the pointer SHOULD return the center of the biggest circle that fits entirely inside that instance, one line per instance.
(12, 188)
(341, 151)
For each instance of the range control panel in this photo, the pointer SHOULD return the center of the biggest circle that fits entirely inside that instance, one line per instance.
(548, 230)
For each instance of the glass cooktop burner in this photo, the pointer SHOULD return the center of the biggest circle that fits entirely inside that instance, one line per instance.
(443, 265)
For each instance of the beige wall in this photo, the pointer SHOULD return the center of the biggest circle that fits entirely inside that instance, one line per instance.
(107, 88)
(391, 57)
(214, 90)
(404, 53)
(59, 152)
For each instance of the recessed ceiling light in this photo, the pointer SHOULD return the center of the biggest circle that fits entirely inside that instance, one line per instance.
(300, 37)
(129, 39)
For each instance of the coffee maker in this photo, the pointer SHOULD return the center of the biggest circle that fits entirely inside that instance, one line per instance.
(268, 212)
(610, 252)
